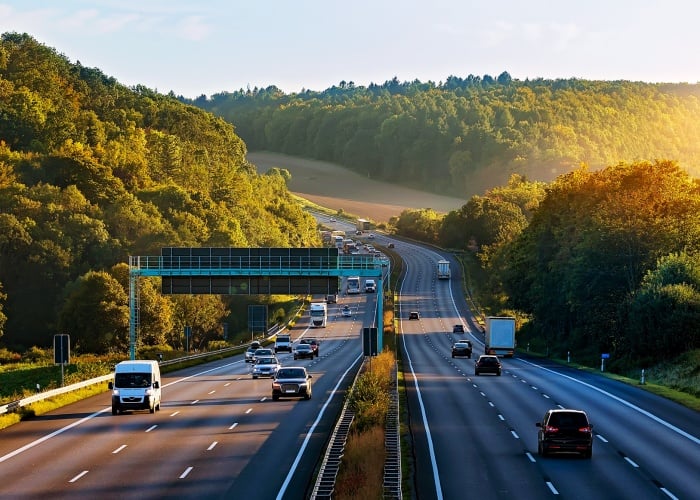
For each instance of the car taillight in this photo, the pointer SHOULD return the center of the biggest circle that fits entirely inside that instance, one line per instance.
(587, 430)
(551, 428)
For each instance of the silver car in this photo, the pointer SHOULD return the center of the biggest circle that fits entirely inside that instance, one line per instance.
(265, 366)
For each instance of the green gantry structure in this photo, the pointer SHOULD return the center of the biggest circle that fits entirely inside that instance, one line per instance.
(250, 271)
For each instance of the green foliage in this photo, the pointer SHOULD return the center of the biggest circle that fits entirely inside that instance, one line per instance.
(370, 396)
(423, 224)
(91, 172)
(465, 135)
(587, 250)
(370, 401)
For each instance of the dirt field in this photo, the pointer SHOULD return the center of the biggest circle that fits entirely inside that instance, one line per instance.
(336, 187)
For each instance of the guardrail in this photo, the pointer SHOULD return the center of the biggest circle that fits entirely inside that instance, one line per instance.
(330, 465)
(17, 404)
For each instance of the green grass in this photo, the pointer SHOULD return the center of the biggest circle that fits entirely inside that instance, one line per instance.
(677, 381)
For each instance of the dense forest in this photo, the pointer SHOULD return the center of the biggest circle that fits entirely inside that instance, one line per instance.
(582, 203)
(594, 262)
(465, 135)
(91, 172)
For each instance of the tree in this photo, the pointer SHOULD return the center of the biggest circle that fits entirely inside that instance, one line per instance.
(96, 314)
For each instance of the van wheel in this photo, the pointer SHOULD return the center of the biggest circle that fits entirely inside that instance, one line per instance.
(114, 411)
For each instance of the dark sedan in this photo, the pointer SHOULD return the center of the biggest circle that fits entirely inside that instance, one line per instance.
(487, 364)
(303, 351)
(313, 343)
(462, 348)
(291, 381)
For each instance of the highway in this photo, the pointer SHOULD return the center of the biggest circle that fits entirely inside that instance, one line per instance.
(218, 434)
(476, 436)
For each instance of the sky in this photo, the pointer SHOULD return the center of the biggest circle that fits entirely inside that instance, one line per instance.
(195, 47)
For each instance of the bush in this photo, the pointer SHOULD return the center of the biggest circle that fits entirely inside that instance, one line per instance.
(37, 355)
(7, 357)
(153, 351)
(370, 397)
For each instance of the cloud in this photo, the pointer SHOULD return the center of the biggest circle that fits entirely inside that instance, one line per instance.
(194, 28)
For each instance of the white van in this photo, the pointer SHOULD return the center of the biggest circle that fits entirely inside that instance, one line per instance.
(370, 286)
(136, 386)
(283, 342)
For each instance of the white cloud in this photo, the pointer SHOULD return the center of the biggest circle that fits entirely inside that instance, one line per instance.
(194, 28)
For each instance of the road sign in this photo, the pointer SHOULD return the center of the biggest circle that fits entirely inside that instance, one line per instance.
(369, 341)
(605, 355)
(61, 349)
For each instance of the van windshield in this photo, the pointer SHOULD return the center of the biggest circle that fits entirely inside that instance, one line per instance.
(127, 380)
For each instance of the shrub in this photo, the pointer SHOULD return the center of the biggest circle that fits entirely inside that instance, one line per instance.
(7, 357)
(36, 355)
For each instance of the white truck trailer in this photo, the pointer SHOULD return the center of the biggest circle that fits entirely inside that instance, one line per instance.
(319, 313)
(443, 269)
(500, 336)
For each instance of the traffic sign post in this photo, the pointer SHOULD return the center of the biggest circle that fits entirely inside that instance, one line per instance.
(61, 351)
(603, 357)
(188, 334)
(369, 341)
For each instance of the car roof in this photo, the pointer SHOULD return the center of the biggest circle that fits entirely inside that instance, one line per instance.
(287, 371)
(565, 410)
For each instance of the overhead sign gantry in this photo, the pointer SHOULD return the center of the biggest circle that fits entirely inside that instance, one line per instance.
(249, 271)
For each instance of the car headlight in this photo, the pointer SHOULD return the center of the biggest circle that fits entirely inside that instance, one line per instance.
(115, 392)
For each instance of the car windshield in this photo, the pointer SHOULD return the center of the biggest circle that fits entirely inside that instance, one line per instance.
(573, 420)
(290, 373)
(266, 361)
(132, 380)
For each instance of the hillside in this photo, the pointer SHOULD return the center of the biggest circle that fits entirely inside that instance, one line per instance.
(467, 135)
(92, 172)
(339, 188)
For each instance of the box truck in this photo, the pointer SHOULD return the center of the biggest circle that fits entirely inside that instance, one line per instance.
(136, 386)
(500, 336)
(319, 314)
(443, 269)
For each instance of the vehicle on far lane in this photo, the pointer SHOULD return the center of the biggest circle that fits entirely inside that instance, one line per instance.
(462, 348)
(262, 352)
(265, 366)
(314, 343)
(413, 315)
(302, 351)
(458, 328)
(250, 352)
(346, 312)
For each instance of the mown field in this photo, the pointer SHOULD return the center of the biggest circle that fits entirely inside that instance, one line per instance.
(336, 187)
